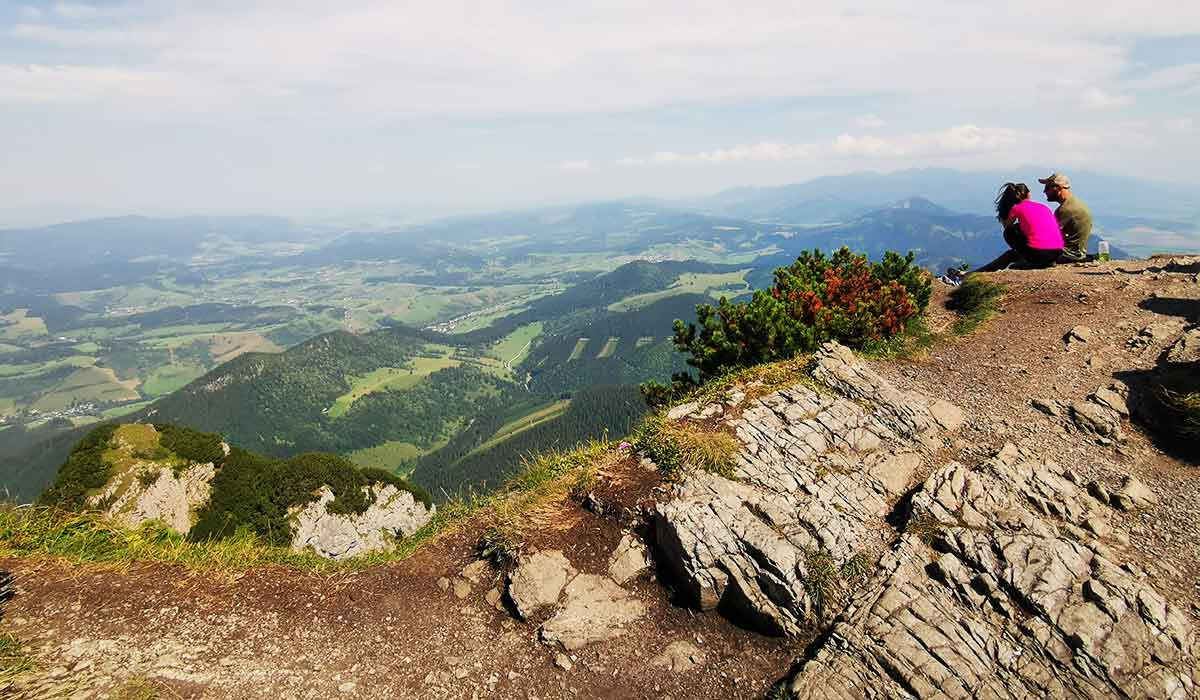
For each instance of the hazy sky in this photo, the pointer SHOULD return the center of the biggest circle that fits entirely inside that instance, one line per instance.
(296, 107)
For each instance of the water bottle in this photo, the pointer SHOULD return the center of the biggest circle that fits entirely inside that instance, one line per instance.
(1104, 251)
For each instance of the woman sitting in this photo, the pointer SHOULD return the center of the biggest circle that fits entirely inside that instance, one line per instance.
(1030, 230)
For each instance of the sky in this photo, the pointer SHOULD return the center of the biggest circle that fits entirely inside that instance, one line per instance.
(301, 107)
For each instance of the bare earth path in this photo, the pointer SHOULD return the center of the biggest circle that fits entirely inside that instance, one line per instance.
(419, 629)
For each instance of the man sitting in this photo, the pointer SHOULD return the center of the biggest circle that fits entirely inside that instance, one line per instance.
(1073, 216)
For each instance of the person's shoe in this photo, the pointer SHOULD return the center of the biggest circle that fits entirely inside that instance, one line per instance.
(952, 281)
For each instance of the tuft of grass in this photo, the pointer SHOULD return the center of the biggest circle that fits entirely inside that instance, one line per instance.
(677, 447)
(976, 300)
(1186, 406)
(925, 527)
(14, 661)
(828, 584)
(542, 479)
(779, 691)
(89, 538)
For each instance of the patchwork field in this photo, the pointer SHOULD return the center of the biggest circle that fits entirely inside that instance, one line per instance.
(19, 325)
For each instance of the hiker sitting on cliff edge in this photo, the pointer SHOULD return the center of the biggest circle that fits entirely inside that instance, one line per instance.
(1073, 216)
(1030, 230)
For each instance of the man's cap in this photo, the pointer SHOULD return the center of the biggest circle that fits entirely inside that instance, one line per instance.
(1056, 179)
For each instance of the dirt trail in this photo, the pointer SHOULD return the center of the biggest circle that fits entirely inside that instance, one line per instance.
(394, 632)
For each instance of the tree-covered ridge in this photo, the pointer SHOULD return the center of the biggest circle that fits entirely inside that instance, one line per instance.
(250, 491)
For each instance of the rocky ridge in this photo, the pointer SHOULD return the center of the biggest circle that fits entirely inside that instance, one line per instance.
(1004, 579)
(145, 489)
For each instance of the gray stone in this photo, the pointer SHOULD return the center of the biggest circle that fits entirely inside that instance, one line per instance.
(628, 560)
(682, 410)
(817, 474)
(1134, 495)
(679, 657)
(563, 661)
(1080, 334)
(1186, 348)
(1092, 417)
(475, 571)
(538, 580)
(596, 609)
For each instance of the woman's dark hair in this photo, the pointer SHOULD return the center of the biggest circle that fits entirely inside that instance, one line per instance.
(1012, 194)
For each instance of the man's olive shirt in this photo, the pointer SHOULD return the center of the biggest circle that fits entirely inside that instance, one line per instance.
(1075, 220)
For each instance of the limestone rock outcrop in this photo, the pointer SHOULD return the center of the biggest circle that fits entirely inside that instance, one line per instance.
(1002, 579)
(818, 472)
(393, 512)
(152, 491)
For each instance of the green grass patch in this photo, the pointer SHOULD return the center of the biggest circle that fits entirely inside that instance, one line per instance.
(519, 425)
(389, 454)
(31, 370)
(20, 325)
(515, 346)
(83, 385)
(976, 300)
(580, 346)
(680, 446)
(609, 348)
(14, 660)
(118, 411)
(714, 284)
(389, 379)
(170, 378)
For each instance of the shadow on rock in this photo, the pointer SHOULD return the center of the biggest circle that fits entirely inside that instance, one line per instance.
(1165, 401)
(1168, 306)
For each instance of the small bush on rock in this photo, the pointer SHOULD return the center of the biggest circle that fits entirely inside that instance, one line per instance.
(675, 447)
(843, 297)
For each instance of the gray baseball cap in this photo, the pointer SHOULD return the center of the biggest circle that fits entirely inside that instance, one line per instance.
(1056, 179)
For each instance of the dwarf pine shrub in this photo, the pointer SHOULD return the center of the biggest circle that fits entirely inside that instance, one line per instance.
(843, 297)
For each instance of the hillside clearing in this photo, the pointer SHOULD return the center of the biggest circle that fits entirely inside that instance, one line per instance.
(389, 379)
(714, 284)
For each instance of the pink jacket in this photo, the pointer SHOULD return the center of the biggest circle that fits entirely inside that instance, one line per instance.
(1038, 224)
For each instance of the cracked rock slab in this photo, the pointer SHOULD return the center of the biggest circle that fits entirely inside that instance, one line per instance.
(818, 471)
(595, 609)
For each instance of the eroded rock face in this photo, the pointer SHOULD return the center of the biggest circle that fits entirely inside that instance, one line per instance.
(150, 491)
(817, 475)
(393, 512)
(1002, 604)
(996, 580)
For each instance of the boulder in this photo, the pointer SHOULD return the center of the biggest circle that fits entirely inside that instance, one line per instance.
(1133, 495)
(538, 580)
(628, 560)
(596, 609)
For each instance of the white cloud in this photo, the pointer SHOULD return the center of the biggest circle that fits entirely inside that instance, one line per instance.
(1095, 98)
(41, 83)
(1180, 125)
(956, 140)
(575, 165)
(869, 121)
(72, 10)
